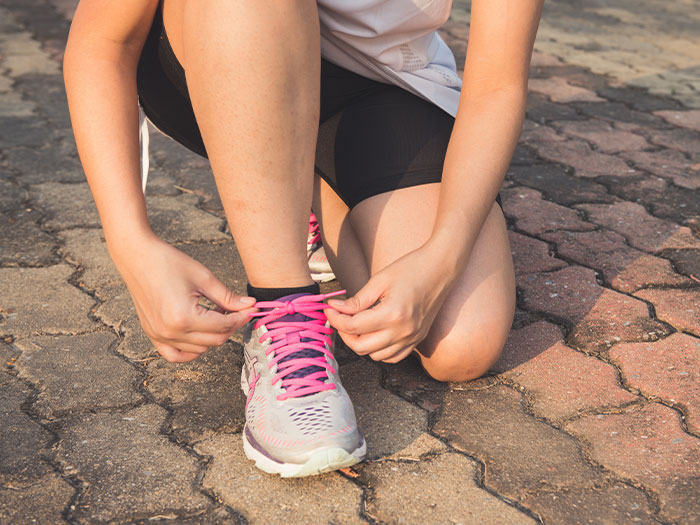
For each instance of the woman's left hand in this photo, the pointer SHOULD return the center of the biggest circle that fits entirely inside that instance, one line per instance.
(394, 311)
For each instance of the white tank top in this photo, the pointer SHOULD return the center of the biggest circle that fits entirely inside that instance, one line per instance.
(393, 41)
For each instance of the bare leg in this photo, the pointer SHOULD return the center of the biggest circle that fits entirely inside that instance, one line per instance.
(253, 74)
(473, 324)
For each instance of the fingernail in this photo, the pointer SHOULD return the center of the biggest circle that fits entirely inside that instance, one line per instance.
(248, 300)
(336, 302)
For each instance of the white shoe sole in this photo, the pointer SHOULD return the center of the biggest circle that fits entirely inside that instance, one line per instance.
(322, 277)
(323, 460)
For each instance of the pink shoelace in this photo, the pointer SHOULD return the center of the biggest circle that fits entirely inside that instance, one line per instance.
(314, 230)
(289, 337)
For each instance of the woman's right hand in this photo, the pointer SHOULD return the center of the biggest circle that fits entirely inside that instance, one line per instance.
(165, 286)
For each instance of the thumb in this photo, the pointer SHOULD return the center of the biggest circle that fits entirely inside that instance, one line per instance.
(368, 295)
(219, 294)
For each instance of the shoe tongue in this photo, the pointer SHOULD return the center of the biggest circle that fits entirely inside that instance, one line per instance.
(305, 353)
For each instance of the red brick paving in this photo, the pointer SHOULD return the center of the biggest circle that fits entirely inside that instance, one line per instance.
(534, 215)
(668, 369)
(648, 445)
(648, 271)
(585, 161)
(642, 231)
(563, 382)
(687, 119)
(527, 343)
(531, 255)
(599, 316)
(559, 90)
(679, 308)
(606, 138)
(669, 164)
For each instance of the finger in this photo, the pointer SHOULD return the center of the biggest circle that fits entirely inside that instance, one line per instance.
(400, 355)
(213, 322)
(362, 300)
(388, 354)
(218, 293)
(363, 322)
(368, 343)
(188, 348)
(172, 354)
(201, 339)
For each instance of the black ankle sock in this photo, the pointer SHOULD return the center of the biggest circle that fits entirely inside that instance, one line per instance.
(272, 294)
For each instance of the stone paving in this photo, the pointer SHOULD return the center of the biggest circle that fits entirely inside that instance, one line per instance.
(591, 415)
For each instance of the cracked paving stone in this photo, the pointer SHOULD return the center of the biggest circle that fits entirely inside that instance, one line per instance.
(601, 250)
(12, 197)
(423, 445)
(74, 373)
(668, 369)
(388, 422)
(611, 505)
(20, 131)
(204, 395)
(648, 446)
(679, 308)
(648, 271)
(586, 162)
(130, 469)
(668, 164)
(557, 186)
(87, 249)
(35, 300)
(265, 498)
(23, 243)
(562, 383)
(533, 132)
(23, 440)
(642, 231)
(687, 119)
(521, 454)
(526, 343)
(620, 113)
(531, 255)
(66, 205)
(442, 487)
(606, 138)
(599, 317)
(42, 502)
(533, 215)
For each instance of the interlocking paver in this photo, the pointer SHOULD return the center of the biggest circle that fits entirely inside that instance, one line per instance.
(24, 441)
(559, 90)
(684, 140)
(669, 164)
(679, 308)
(612, 504)
(131, 470)
(641, 230)
(667, 369)
(557, 186)
(55, 162)
(362, 380)
(204, 395)
(540, 109)
(74, 373)
(263, 498)
(599, 317)
(521, 454)
(648, 446)
(601, 250)
(585, 161)
(531, 255)
(686, 262)
(603, 135)
(687, 119)
(87, 249)
(42, 502)
(527, 343)
(33, 300)
(534, 215)
(448, 493)
(563, 382)
(648, 271)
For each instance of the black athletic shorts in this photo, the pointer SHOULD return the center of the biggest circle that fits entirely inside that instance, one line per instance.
(373, 137)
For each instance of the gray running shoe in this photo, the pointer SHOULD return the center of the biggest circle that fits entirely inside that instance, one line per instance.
(321, 270)
(299, 418)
